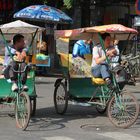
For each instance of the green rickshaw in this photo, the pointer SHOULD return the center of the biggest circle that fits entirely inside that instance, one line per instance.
(79, 86)
(24, 102)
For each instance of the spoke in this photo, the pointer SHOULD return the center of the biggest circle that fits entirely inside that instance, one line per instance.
(124, 111)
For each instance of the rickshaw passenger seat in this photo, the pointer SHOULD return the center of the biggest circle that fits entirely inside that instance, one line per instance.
(98, 81)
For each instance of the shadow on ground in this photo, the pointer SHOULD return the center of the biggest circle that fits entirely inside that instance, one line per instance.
(46, 119)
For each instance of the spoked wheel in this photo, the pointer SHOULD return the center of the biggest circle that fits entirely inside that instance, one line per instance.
(123, 110)
(101, 109)
(23, 111)
(60, 98)
(33, 106)
(33, 102)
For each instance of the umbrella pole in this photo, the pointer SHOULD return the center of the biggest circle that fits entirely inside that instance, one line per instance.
(52, 46)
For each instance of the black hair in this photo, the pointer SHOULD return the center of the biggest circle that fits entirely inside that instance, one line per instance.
(17, 38)
(104, 35)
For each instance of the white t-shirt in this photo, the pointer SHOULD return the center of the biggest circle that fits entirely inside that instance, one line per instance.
(99, 52)
(96, 53)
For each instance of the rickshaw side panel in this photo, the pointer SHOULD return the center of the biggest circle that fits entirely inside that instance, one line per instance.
(5, 88)
(31, 83)
(82, 88)
(63, 64)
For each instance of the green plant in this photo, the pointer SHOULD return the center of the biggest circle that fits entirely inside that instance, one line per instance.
(67, 3)
(45, 1)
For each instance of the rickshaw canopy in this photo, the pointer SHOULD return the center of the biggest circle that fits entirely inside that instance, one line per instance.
(19, 26)
(8, 30)
(112, 28)
(119, 31)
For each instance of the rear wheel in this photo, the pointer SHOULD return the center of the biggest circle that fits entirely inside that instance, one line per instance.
(23, 111)
(60, 98)
(101, 109)
(33, 106)
(123, 110)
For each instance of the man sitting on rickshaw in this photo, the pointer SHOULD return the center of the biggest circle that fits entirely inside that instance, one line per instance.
(17, 49)
(82, 47)
(99, 65)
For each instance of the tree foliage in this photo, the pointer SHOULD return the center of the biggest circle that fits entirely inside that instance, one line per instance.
(67, 3)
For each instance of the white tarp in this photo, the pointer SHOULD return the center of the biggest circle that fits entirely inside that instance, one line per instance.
(19, 27)
(12, 28)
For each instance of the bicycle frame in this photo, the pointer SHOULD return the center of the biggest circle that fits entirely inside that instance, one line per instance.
(19, 84)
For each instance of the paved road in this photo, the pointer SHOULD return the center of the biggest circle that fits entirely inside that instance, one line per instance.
(47, 125)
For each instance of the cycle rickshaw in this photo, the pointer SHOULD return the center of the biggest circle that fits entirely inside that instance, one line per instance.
(79, 86)
(24, 102)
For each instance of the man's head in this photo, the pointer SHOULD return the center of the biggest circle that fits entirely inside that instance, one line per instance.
(18, 41)
(89, 41)
(116, 42)
(107, 39)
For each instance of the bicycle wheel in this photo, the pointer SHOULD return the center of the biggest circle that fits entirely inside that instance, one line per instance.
(123, 110)
(33, 106)
(101, 109)
(23, 111)
(60, 98)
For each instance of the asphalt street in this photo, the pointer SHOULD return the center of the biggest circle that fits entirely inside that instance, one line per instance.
(83, 123)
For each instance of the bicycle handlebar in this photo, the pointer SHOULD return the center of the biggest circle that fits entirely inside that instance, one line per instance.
(22, 71)
(17, 71)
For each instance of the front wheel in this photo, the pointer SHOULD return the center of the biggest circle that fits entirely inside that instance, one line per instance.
(60, 98)
(22, 110)
(123, 110)
(101, 109)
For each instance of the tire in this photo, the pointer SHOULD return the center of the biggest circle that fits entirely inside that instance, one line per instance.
(125, 111)
(101, 109)
(33, 106)
(23, 111)
(33, 101)
(60, 98)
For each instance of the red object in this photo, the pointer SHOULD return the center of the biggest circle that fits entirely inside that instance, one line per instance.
(4, 3)
(32, 7)
(46, 9)
(137, 6)
(10, 4)
(1, 7)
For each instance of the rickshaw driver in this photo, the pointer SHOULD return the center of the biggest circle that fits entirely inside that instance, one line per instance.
(18, 49)
(100, 68)
(82, 47)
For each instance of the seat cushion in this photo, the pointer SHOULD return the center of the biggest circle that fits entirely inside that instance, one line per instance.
(98, 81)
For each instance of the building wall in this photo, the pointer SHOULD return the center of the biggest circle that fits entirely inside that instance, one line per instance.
(6, 10)
(102, 14)
(111, 14)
